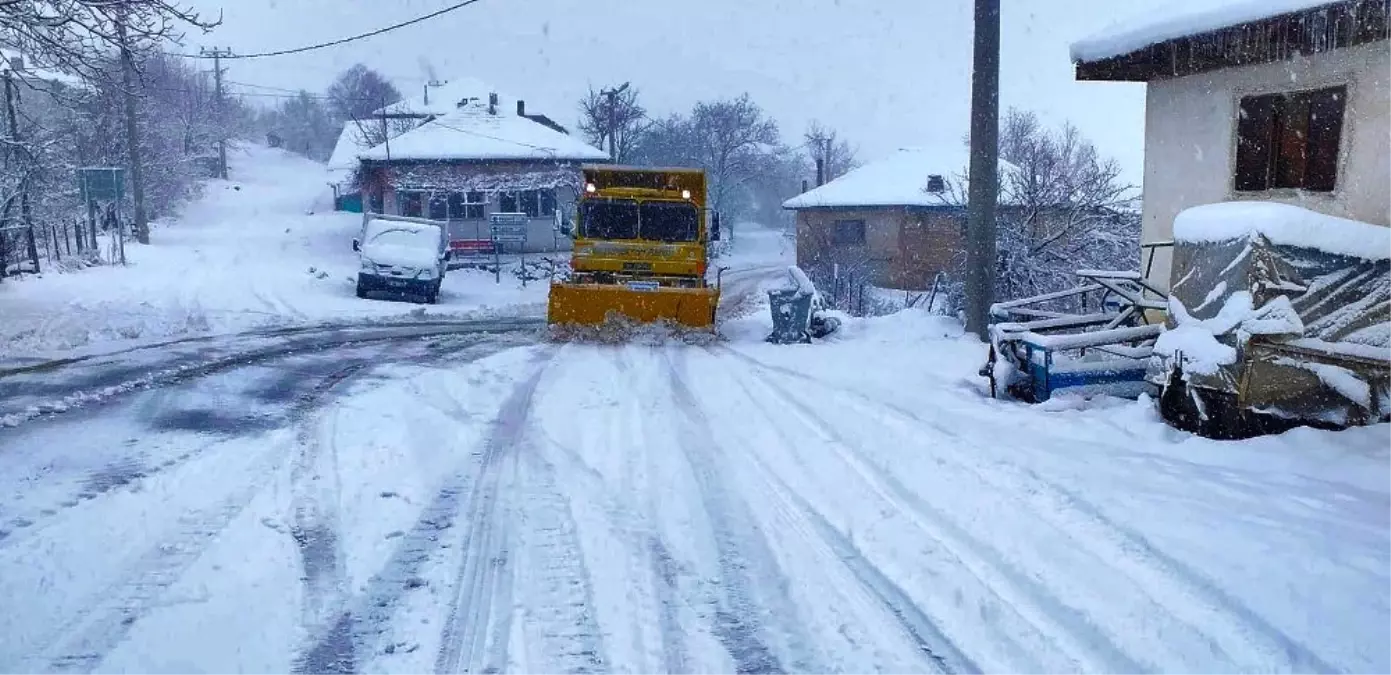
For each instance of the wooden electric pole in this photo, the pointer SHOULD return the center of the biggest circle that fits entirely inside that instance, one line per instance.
(984, 171)
(217, 55)
(137, 181)
(612, 95)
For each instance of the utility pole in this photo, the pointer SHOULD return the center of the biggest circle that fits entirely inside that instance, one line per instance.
(24, 182)
(137, 180)
(612, 95)
(217, 55)
(984, 172)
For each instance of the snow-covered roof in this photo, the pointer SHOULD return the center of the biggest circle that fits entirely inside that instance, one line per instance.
(470, 132)
(897, 180)
(1283, 224)
(351, 144)
(32, 72)
(445, 98)
(1155, 27)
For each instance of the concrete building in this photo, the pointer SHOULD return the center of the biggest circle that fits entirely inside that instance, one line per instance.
(1284, 100)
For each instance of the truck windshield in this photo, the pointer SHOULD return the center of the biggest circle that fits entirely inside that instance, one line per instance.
(626, 219)
(669, 221)
(609, 219)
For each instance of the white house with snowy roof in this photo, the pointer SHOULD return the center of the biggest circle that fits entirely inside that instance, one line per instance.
(1271, 100)
(896, 222)
(475, 159)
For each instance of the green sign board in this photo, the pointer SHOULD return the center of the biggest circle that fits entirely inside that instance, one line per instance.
(101, 184)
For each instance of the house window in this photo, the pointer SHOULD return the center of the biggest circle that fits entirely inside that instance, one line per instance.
(411, 203)
(534, 203)
(467, 205)
(439, 206)
(1289, 140)
(849, 233)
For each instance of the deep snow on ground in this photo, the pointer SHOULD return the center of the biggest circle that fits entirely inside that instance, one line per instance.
(263, 248)
(489, 503)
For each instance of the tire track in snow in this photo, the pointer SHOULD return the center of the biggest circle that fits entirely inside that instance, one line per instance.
(648, 553)
(105, 625)
(483, 582)
(1207, 610)
(887, 595)
(315, 529)
(552, 563)
(361, 627)
(747, 565)
(654, 560)
(1049, 616)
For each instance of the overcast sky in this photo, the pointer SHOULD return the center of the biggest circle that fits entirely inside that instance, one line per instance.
(885, 73)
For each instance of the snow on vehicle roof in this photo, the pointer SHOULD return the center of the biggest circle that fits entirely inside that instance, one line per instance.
(897, 180)
(471, 132)
(1283, 224)
(1154, 27)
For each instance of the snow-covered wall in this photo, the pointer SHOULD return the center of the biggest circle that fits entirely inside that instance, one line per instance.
(1190, 139)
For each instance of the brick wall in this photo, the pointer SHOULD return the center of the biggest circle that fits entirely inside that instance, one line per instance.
(904, 248)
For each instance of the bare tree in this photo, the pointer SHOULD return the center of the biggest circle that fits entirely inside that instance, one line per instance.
(1063, 207)
(729, 139)
(358, 92)
(837, 155)
(76, 36)
(623, 111)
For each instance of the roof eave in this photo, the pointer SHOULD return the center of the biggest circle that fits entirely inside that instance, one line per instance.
(1352, 22)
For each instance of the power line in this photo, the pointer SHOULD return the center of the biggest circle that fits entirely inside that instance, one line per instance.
(334, 43)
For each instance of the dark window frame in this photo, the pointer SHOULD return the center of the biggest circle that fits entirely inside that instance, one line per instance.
(849, 232)
(406, 199)
(1289, 140)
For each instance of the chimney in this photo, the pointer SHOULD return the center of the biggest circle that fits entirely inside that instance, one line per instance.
(521, 108)
(492, 103)
(820, 172)
(804, 185)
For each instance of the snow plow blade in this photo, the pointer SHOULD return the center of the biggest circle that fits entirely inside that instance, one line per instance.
(591, 305)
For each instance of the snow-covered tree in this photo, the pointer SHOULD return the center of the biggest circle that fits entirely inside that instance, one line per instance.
(1063, 207)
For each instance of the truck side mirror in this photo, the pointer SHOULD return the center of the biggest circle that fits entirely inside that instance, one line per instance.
(357, 245)
(715, 227)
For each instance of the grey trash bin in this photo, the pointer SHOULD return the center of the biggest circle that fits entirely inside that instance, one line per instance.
(791, 316)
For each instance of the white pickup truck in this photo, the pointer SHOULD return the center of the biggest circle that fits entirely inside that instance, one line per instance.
(401, 256)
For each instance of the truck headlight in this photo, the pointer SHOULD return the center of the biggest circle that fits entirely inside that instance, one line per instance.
(369, 266)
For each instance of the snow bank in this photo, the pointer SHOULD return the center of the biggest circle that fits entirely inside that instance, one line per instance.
(1283, 224)
(1158, 26)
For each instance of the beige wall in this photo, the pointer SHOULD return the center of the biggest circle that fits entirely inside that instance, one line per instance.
(1190, 139)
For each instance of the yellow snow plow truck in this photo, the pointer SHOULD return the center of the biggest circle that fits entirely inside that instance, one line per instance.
(640, 251)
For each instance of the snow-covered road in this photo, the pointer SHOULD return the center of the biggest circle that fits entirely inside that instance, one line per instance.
(487, 502)
(342, 486)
